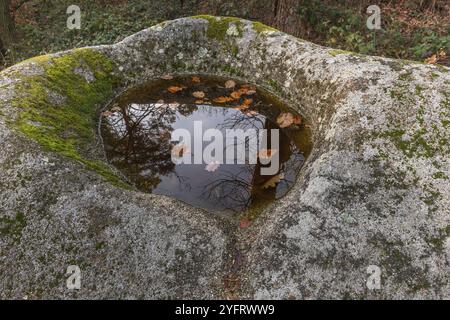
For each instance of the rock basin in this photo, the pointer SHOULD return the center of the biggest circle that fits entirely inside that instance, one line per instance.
(373, 192)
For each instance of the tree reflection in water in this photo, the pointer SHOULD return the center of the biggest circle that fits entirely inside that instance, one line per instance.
(137, 131)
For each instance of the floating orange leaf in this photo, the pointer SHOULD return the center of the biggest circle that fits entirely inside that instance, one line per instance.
(173, 105)
(267, 153)
(250, 112)
(179, 150)
(199, 102)
(199, 94)
(195, 79)
(230, 84)
(248, 102)
(297, 120)
(285, 119)
(272, 182)
(222, 99)
(174, 89)
(235, 95)
(241, 107)
(106, 113)
(116, 109)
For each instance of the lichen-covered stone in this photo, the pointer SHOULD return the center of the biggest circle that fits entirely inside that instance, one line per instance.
(374, 191)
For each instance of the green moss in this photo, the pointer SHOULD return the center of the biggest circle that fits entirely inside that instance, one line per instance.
(13, 227)
(417, 146)
(218, 26)
(406, 62)
(434, 75)
(229, 69)
(438, 242)
(405, 76)
(100, 245)
(442, 68)
(424, 142)
(260, 27)
(275, 86)
(336, 52)
(69, 128)
(419, 90)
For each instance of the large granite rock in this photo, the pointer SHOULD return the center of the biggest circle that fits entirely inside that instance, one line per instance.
(375, 190)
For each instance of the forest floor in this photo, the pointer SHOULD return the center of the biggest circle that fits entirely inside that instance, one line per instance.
(410, 29)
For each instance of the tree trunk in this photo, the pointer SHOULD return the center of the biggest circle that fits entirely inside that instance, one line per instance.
(6, 25)
(285, 16)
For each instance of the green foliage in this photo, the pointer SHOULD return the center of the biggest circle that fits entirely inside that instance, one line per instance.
(430, 42)
(344, 27)
(340, 25)
(101, 24)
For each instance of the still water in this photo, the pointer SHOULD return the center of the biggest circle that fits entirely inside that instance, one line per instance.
(137, 130)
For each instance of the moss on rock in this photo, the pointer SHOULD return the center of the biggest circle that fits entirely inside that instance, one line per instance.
(217, 27)
(261, 27)
(69, 128)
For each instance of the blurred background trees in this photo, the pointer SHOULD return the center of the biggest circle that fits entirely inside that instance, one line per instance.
(411, 29)
(6, 25)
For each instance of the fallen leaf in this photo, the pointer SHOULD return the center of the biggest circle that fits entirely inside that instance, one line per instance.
(198, 94)
(106, 113)
(272, 182)
(173, 105)
(250, 112)
(267, 153)
(167, 77)
(435, 58)
(160, 101)
(179, 150)
(243, 90)
(235, 95)
(250, 92)
(199, 102)
(248, 102)
(431, 60)
(297, 120)
(222, 99)
(230, 84)
(213, 166)
(116, 109)
(195, 79)
(174, 89)
(244, 223)
(241, 107)
(285, 119)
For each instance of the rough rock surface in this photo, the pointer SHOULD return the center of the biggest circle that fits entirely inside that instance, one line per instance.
(374, 191)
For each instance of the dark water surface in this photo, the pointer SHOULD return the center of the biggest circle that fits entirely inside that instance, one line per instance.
(137, 129)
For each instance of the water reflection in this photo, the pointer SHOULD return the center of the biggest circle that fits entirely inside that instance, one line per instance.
(137, 131)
